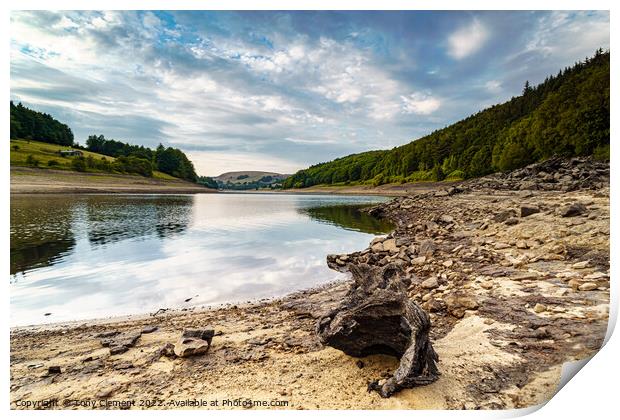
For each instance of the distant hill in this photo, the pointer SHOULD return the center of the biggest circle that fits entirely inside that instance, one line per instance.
(566, 115)
(244, 180)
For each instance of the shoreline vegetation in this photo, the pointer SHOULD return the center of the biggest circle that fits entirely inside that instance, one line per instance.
(512, 268)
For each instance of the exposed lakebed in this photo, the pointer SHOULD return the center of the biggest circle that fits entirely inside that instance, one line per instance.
(88, 256)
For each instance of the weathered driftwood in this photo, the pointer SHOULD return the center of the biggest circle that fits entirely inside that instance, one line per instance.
(377, 317)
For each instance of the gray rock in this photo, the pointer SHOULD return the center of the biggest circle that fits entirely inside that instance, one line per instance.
(205, 334)
(529, 210)
(573, 210)
(430, 283)
(511, 221)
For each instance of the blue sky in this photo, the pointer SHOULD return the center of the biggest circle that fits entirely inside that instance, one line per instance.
(278, 91)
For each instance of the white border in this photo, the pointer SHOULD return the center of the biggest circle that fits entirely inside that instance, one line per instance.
(592, 394)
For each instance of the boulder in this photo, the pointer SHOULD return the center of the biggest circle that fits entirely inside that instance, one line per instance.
(504, 215)
(190, 346)
(377, 317)
(529, 210)
(573, 210)
(458, 304)
(585, 287)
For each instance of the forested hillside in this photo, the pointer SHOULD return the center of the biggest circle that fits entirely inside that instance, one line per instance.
(28, 124)
(168, 160)
(33, 125)
(566, 115)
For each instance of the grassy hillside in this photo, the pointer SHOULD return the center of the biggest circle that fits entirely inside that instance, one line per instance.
(566, 115)
(45, 155)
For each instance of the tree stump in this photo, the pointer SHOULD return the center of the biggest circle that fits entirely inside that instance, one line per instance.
(377, 317)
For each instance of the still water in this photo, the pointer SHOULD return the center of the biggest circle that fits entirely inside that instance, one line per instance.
(80, 257)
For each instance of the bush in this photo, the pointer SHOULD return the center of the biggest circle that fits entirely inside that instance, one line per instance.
(32, 161)
(456, 176)
(78, 163)
(16, 148)
(601, 153)
(52, 163)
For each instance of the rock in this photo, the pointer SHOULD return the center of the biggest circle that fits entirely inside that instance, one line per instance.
(360, 364)
(389, 245)
(430, 283)
(377, 247)
(573, 210)
(504, 215)
(441, 193)
(539, 307)
(521, 244)
(54, 370)
(427, 248)
(377, 317)
(585, 287)
(149, 329)
(488, 285)
(205, 334)
(595, 276)
(501, 245)
(167, 350)
(418, 260)
(118, 349)
(121, 340)
(190, 346)
(574, 284)
(528, 210)
(581, 264)
(511, 221)
(458, 304)
(446, 218)
(448, 263)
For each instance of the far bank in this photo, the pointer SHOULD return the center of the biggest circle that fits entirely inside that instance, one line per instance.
(52, 181)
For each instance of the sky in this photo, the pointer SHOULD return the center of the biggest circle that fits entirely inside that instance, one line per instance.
(279, 91)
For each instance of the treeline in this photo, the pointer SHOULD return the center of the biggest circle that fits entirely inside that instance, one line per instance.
(168, 160)
(33, 125)
(566, 115)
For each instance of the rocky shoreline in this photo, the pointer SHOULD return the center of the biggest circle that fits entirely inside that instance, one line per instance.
(512, 268)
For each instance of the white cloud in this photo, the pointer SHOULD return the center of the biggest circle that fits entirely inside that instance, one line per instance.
(420, 103)
(493, 86)
(467, 40)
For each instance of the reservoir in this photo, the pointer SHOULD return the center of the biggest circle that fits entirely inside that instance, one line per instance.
(76, 257)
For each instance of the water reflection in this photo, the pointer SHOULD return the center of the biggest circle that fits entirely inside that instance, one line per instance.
(80, 257)
(350, 217)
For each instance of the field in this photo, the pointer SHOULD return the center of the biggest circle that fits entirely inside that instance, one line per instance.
(48, 157)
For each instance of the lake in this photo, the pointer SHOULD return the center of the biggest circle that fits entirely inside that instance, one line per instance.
(77, 257)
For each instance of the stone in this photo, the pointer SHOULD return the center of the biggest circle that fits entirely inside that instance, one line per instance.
(190, 346)
(205, 334)
(504, 215)
(574, 284)
(501, 245)
(539, 307)
(585, 287)
(446, 218)
(118, 349)
(458, 304)
(511, 221)
(488, 285)
(418, 260)
(573, 210)
(149, 329)
(581, 264)
(427, 247)
(528, 210)
(54, 370)
(128, 339)
(389, 245)
(521, 244)
(376, 316)
(595, 276)
(167, 350)
(430, 283)
(377, 247)
(448, 263)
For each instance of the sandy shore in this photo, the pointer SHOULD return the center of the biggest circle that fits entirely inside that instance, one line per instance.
(511, 299)
(50, 181)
